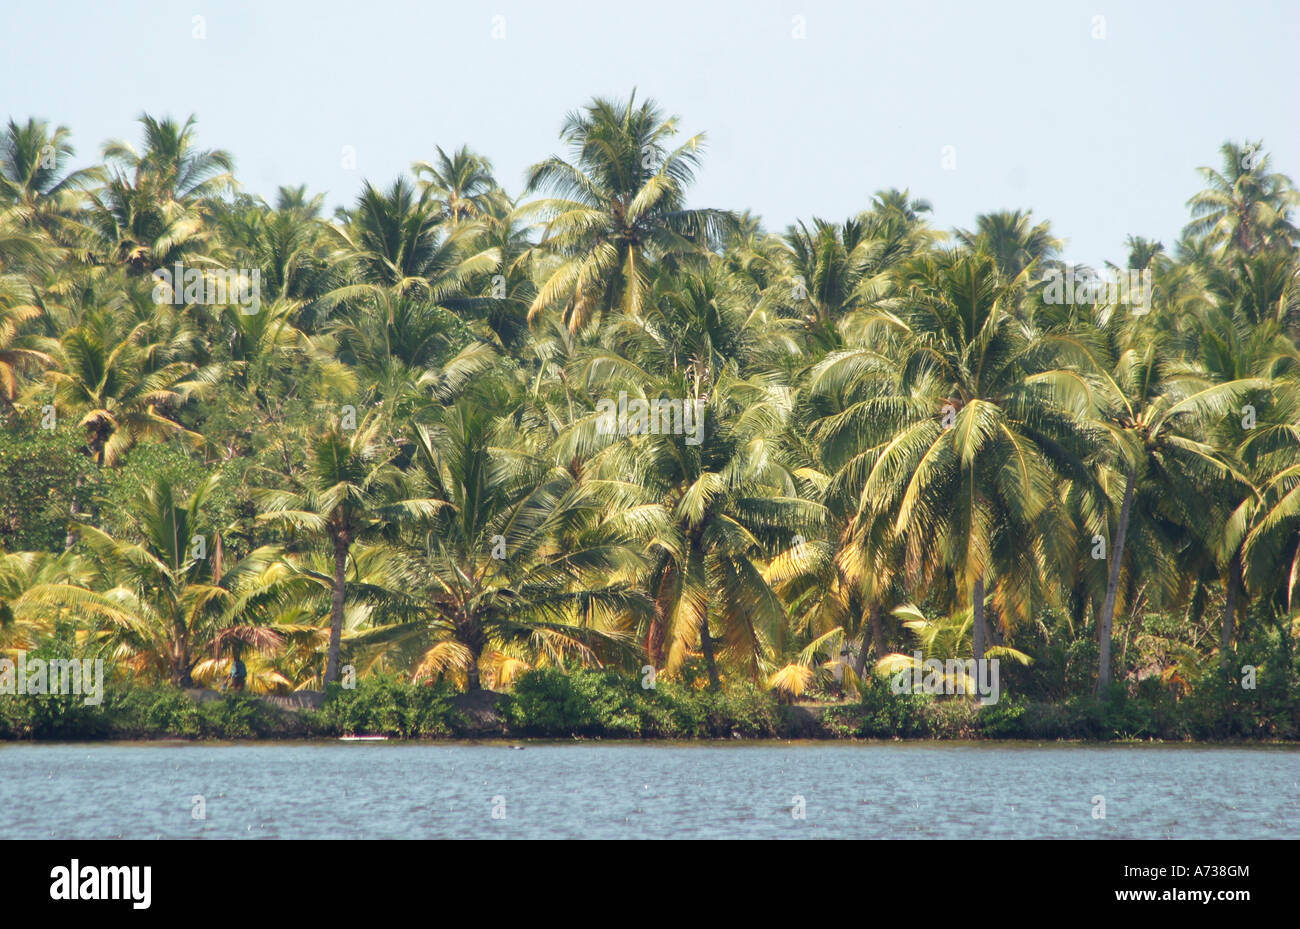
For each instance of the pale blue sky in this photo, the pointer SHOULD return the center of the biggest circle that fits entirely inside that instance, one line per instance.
(1101, 136)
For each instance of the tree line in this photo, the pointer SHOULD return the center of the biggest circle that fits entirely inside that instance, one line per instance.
(400, 455)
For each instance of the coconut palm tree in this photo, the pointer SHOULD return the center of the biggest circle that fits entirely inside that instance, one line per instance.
(1013, 240)
(22, 350)
(984, 428)
(731, 501)
(517, 555)
(618, 207)
(1245, 205)
(462, 183)
(346, 491)
(170, 166)
(150, 211)
(34, 175)
(125, 385)
(1159, 414)
(168, 598)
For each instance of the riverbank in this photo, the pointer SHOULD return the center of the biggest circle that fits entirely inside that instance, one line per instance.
(608, 705)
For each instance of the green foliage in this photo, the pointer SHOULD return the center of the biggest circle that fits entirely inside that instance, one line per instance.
(549, 702)
(402, 440)
(240, 716)
(170, 463)
(882, 714)
(385, 705)
(606, 704)
(151, 712)
(44, 476)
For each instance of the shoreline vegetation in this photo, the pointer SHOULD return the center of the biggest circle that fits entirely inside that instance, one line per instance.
(586, 460)
(596, 705)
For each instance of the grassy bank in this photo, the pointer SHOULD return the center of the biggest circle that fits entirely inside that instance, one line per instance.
(609, 705)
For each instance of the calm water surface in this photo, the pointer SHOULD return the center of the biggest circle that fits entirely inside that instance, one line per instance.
(637, 790)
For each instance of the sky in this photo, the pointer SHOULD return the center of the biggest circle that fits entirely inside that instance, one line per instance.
(1094, 115)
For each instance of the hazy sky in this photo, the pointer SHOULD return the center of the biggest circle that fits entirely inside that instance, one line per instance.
(1100, 135)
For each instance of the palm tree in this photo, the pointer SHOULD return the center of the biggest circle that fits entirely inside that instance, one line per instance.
(462, 183)
(21, 349)
(345, 491)
(125, 385)
(1158, 413)
(150, 211)
(1012, 239)
(731, 502)
(34, 174)
(289, 245)
(980, 435)
(835, 269)
(170, 599)
(38, 588)
(1244, 206)
(170, 166)
(619, 207)
(519, 557)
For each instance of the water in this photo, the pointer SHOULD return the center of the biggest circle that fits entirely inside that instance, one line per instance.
(639, 790)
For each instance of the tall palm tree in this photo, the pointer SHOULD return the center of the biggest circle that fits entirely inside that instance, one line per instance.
(170, 166)
(516, 554)
(984, 431)
(1159, 415)
(1244, 205)
(346, 490)
(730, 499)
(150, 211)
(619, 206)
(462, 183)
(34, 174)
(1013, 240)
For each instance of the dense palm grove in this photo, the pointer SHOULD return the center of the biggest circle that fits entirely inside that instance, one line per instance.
(395, 458)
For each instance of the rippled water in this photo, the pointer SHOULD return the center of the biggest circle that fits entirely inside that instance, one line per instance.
(638, 790)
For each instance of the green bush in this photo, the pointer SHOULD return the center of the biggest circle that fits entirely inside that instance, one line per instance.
(139, 712)
(384, 705)
(44, 476)
(55, 716)
(587, 703)
(240, 716)
(743, 710)
(881, 714)
(550, 703)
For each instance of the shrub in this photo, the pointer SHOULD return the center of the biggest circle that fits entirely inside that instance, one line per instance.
(44, 476)
(549, 702)
(385, 705)
(880, 713)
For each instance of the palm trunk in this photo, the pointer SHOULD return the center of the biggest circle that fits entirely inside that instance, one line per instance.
(473, 682)
(873, 637)
(336, 611)
(181, 664)
(1106, 621)
(977, 607)
(218, 560)
(860, 663)
(1230, 608)
(706, 646)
